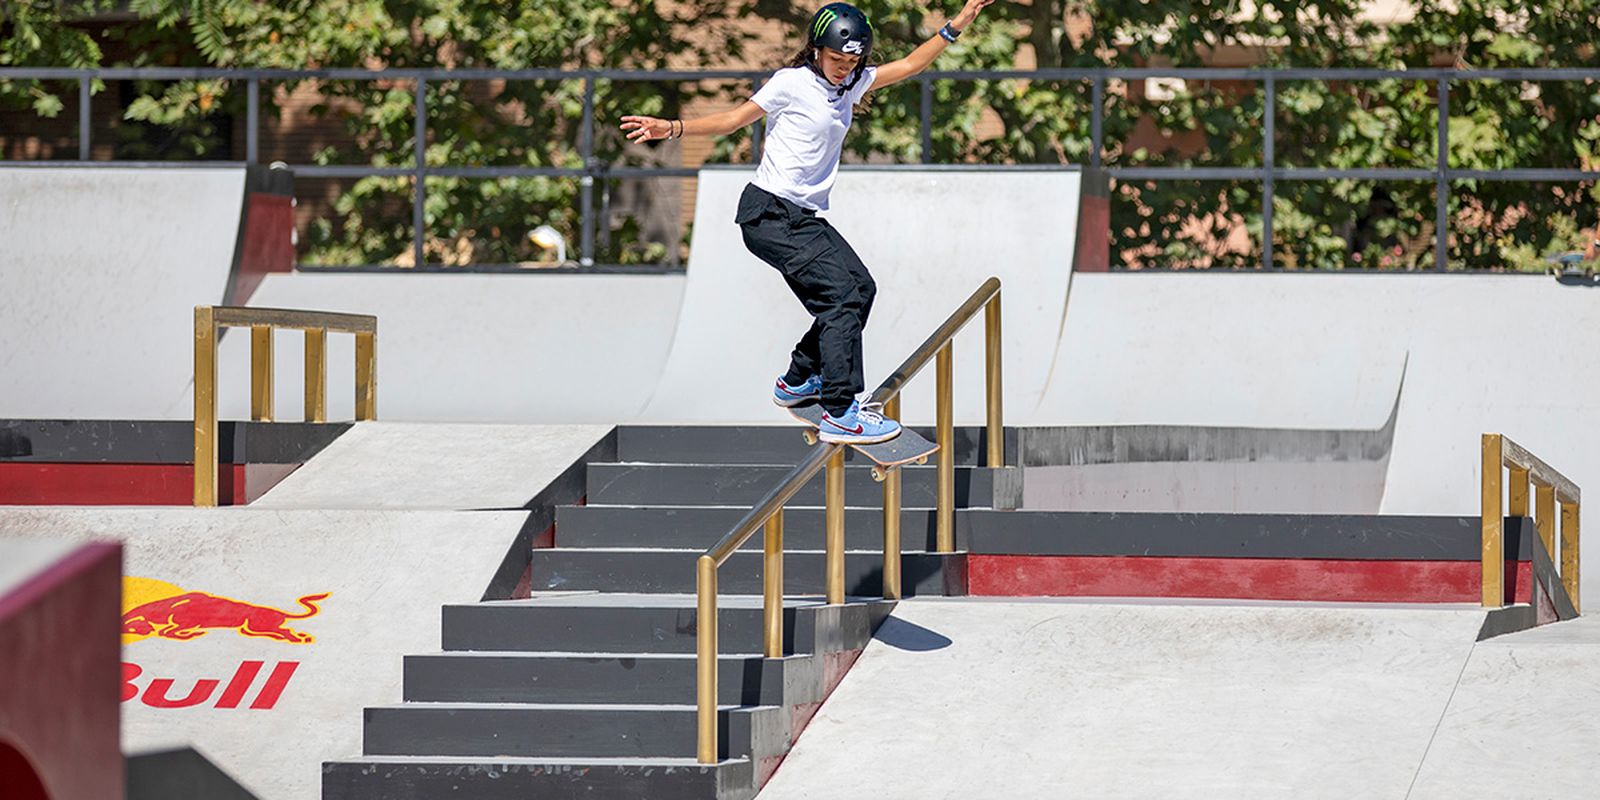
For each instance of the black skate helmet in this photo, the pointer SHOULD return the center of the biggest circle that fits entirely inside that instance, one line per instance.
(842, 27)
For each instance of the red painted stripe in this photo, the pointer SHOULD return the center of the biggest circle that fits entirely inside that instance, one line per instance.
(30, 483)
(1238, 578)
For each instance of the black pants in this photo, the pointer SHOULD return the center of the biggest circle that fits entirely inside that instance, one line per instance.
(828, 278)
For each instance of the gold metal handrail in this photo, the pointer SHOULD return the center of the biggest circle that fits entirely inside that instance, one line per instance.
(210, 320)
(768, 512)
(1500, 453)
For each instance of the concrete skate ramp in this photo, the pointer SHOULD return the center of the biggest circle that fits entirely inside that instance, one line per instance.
(960, 699)
(267, 706)
(101, 273)
(929, 237)
(473, 348)
(1481, 353)
(401, 465)
(265, 709)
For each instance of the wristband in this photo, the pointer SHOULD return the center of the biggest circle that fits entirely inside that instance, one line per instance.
(949, 34)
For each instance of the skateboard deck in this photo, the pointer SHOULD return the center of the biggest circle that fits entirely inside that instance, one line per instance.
(906, 448)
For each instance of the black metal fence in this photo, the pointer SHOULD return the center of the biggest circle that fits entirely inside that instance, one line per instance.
(1268, 174)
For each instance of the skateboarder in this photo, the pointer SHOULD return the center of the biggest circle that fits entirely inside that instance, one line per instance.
(810, 104)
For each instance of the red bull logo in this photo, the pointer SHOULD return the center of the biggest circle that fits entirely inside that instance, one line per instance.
(182, 615)
(161, 610)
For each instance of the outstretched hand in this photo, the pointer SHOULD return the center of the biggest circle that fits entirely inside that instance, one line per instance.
(646, 129)
(969, 12)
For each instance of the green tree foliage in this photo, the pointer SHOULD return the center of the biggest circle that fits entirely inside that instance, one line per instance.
(1318, 224)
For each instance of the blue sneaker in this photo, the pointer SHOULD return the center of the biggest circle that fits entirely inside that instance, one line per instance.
(790, 396)
(862, 424)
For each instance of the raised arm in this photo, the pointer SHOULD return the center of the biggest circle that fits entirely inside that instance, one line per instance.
(896, 71)
(722, 123)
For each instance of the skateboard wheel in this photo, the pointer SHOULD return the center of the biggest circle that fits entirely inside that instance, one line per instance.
(810, 437)
(877, 474)
(922, 461)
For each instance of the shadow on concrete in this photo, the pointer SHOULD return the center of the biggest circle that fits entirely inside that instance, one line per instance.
(909, 636)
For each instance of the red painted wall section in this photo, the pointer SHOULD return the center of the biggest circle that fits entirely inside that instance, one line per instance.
(1239, 578)
(32, 483)
(1093, 250)
(266, 245)
(60, 653)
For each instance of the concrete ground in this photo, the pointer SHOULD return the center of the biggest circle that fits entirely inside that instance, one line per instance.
(399, 465)
(1036, 699)
(381, 522)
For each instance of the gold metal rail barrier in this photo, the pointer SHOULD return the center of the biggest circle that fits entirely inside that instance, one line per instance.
(210, 320)
(1501, 454)
(768, 513)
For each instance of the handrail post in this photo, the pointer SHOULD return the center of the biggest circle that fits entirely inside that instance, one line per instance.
(1493, 524)
(772, 587)
(834, 501)
(1518, 492)
(317, 375)
(706, 657)
(367, 376)
(1544, 519)
(946, 512)
(205, 407)
(261, 394)
(991, 382)
(1569, 552)
(891, 517)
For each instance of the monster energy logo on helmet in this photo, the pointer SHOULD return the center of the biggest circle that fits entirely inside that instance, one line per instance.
(842, 27)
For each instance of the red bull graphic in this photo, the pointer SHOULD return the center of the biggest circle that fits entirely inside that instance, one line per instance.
(161, 610)
(193, 614)
(158, 693)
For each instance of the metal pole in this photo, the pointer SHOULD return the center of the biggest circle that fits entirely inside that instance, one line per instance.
(252, 118)
(84, 87)
(205, 406)
(946, 510)
(706, 657)
(1544, 518)
(927, 120)
(835, 518)
(1569, 551)
(1441, 192)
(316, 375)
(772, 587)
(991, 383)
(418, 176)
(1268, 159)
(586, 183)
(367, 376)
(1493, 525)
(1097, 115)
(891, 517)
(261, 394)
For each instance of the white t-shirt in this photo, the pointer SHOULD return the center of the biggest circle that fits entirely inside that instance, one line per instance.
(806, 123)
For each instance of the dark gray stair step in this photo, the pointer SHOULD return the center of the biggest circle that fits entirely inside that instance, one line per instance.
(655, 623)
(507, 778)
(701, 526)
(803, 571)
(568, 731)
(602, 678)
(735, 485)
(763, 444)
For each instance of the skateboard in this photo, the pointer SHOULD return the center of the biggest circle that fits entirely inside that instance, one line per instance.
(906, 448)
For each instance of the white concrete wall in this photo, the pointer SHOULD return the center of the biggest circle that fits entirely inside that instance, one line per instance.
(100, 271)
(929, 238)
(472, 348)
(1480, 354)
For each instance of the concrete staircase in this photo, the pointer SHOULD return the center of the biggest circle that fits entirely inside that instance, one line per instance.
(587, 688)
